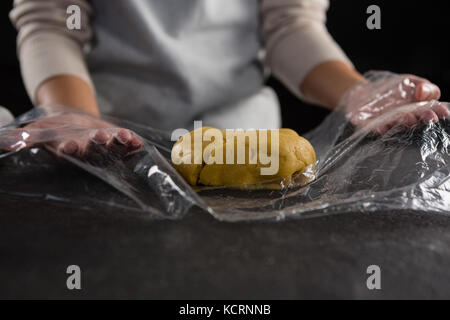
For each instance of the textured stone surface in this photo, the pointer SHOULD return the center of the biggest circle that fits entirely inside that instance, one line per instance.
(125, 256)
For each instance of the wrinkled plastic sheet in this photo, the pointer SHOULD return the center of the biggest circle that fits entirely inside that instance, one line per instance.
(357, 171)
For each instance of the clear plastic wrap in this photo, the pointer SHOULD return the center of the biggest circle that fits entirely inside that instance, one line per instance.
(358, 169)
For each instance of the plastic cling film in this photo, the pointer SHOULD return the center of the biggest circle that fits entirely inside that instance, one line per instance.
(5, 116)
(405, 166)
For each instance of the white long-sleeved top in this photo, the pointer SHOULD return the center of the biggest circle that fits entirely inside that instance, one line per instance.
(168, 62)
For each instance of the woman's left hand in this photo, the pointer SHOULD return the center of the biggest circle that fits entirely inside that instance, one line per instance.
(376, 103)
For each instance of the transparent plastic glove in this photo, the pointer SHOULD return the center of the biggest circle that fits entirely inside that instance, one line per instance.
(68, 131)
(375, 103)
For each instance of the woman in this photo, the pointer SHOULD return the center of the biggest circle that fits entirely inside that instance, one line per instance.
(166, 63)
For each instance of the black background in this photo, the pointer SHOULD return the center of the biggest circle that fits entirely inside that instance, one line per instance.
(413, 39)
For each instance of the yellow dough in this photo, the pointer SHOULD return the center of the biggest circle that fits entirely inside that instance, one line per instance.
(295, 155)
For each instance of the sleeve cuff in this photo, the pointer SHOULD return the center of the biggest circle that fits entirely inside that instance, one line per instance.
(46, 55)
(296, 54)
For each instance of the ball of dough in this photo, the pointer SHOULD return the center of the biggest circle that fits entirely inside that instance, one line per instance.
(200, 166)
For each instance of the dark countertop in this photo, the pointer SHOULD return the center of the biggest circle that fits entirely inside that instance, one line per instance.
(125, 256)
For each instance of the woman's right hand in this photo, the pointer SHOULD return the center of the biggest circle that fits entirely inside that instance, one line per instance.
(69, 132)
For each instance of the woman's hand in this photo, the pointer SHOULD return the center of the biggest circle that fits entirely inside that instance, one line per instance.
(376, 103)
(70, 132)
